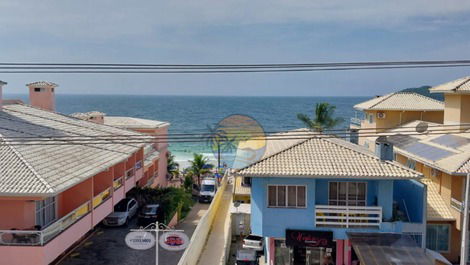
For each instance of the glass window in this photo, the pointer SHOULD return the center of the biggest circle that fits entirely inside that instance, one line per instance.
(437, 237)
(272, 196)
(286, 196)
(410, 163)
(301, 196)
(291, 196)
(281, 196)
(46, 211)
(347, 193)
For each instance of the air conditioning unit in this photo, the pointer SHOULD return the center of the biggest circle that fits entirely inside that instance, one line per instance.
(380, 115)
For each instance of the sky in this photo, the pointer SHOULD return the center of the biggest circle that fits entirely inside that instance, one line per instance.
(235, 32)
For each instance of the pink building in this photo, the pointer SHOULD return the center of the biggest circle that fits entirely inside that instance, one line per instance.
(56, 185)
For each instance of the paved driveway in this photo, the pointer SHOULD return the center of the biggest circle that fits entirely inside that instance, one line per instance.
(107, 246)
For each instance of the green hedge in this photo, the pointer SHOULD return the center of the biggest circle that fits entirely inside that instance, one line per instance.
(172, 199)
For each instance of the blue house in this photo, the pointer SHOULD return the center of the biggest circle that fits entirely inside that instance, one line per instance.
(325, 201)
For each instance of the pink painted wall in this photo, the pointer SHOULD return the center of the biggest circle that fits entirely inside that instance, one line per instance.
(339, 252)
(19, 214)
(100, 212)
(118, 195)
(17, 255)
(139, 173)
(129, 184)
(44, 99)
(72, 198)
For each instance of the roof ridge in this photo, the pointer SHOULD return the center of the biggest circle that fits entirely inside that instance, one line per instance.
(384, 97)
(367, 153)
(28, 165)
(466, 79)
(276, 153)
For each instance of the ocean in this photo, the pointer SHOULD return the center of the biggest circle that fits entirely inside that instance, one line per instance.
(190, 114)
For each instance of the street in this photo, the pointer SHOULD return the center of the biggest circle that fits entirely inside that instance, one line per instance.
(107, 245)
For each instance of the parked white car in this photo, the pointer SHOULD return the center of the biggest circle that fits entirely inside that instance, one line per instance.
(208, 190)
(123, 212)
(254, 242)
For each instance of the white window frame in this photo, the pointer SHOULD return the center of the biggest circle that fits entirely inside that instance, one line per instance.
(43, 210)
(347, 191)
(287, 196)
(448, 238)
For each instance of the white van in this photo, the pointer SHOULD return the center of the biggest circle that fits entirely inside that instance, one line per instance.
(208, 190)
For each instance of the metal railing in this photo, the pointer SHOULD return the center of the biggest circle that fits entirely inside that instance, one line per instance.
(348, 216)
(130, 173)
(117, 183)
(456, 204)
(356, 121)
(100, 198)
(39, 238)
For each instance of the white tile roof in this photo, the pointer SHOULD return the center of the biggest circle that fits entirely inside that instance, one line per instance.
(87, 115)
(42, 84)
(459, 85)
(48, 169)
(324, 158)
(437, 209)
(402, 101)
(133, 123)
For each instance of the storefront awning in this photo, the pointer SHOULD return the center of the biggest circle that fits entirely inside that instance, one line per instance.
(387, 248)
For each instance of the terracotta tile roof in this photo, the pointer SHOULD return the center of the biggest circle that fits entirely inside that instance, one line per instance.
(437, 209)
(47, 169)
(455, 86)
(327, 157)
(402, 101)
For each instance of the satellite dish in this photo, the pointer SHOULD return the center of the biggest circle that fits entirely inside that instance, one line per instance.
(236, 204)
(421, 127)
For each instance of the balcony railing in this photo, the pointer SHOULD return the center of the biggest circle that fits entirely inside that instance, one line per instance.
(348, 216)
(129, 173)
(356, 121)
(100, 198)
(35, 238)
(456, 204)
(117, 183)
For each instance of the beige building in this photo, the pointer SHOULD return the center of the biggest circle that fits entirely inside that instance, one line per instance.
(424, 141)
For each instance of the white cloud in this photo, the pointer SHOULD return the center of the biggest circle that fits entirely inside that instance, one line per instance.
(109, 19)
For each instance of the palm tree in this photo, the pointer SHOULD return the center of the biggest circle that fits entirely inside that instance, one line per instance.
(323, 118)
(172, 166)
(200, 166)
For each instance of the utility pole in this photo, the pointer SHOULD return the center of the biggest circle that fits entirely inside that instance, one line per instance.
(464, 243)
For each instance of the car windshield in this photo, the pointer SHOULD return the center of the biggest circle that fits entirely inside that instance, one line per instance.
(149, 210)
(121, 206)
(207, 188)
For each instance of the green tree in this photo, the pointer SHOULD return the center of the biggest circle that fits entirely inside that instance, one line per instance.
(200, 166)
(323, 118)
(172, 166)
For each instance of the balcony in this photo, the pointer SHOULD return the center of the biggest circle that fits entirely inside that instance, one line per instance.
(102, 197)
(456, 204)
(356, 122)
(117, 183)
(130, 173)
(42, 237)
(348, 216)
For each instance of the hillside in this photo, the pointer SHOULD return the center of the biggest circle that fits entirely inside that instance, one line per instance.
(424, 90)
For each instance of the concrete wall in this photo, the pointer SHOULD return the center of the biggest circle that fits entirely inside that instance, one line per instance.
(193, 251)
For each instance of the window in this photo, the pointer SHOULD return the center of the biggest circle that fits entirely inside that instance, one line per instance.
(46, 211)
(287, 196)
(438, 237)
(411, 163)
(371, 118)
(39, 89)
(347, 193)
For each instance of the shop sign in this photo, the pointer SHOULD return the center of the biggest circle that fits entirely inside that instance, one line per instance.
(140, 240)
(174, 241)
(305, 238)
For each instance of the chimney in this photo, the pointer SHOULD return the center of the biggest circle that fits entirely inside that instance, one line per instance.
(384, 149)
(41, 95)
(1, 93)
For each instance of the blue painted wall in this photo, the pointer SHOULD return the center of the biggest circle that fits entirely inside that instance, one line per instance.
(411, 193)
(272, 222)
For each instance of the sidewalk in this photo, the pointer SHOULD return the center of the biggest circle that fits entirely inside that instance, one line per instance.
(214, 248)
